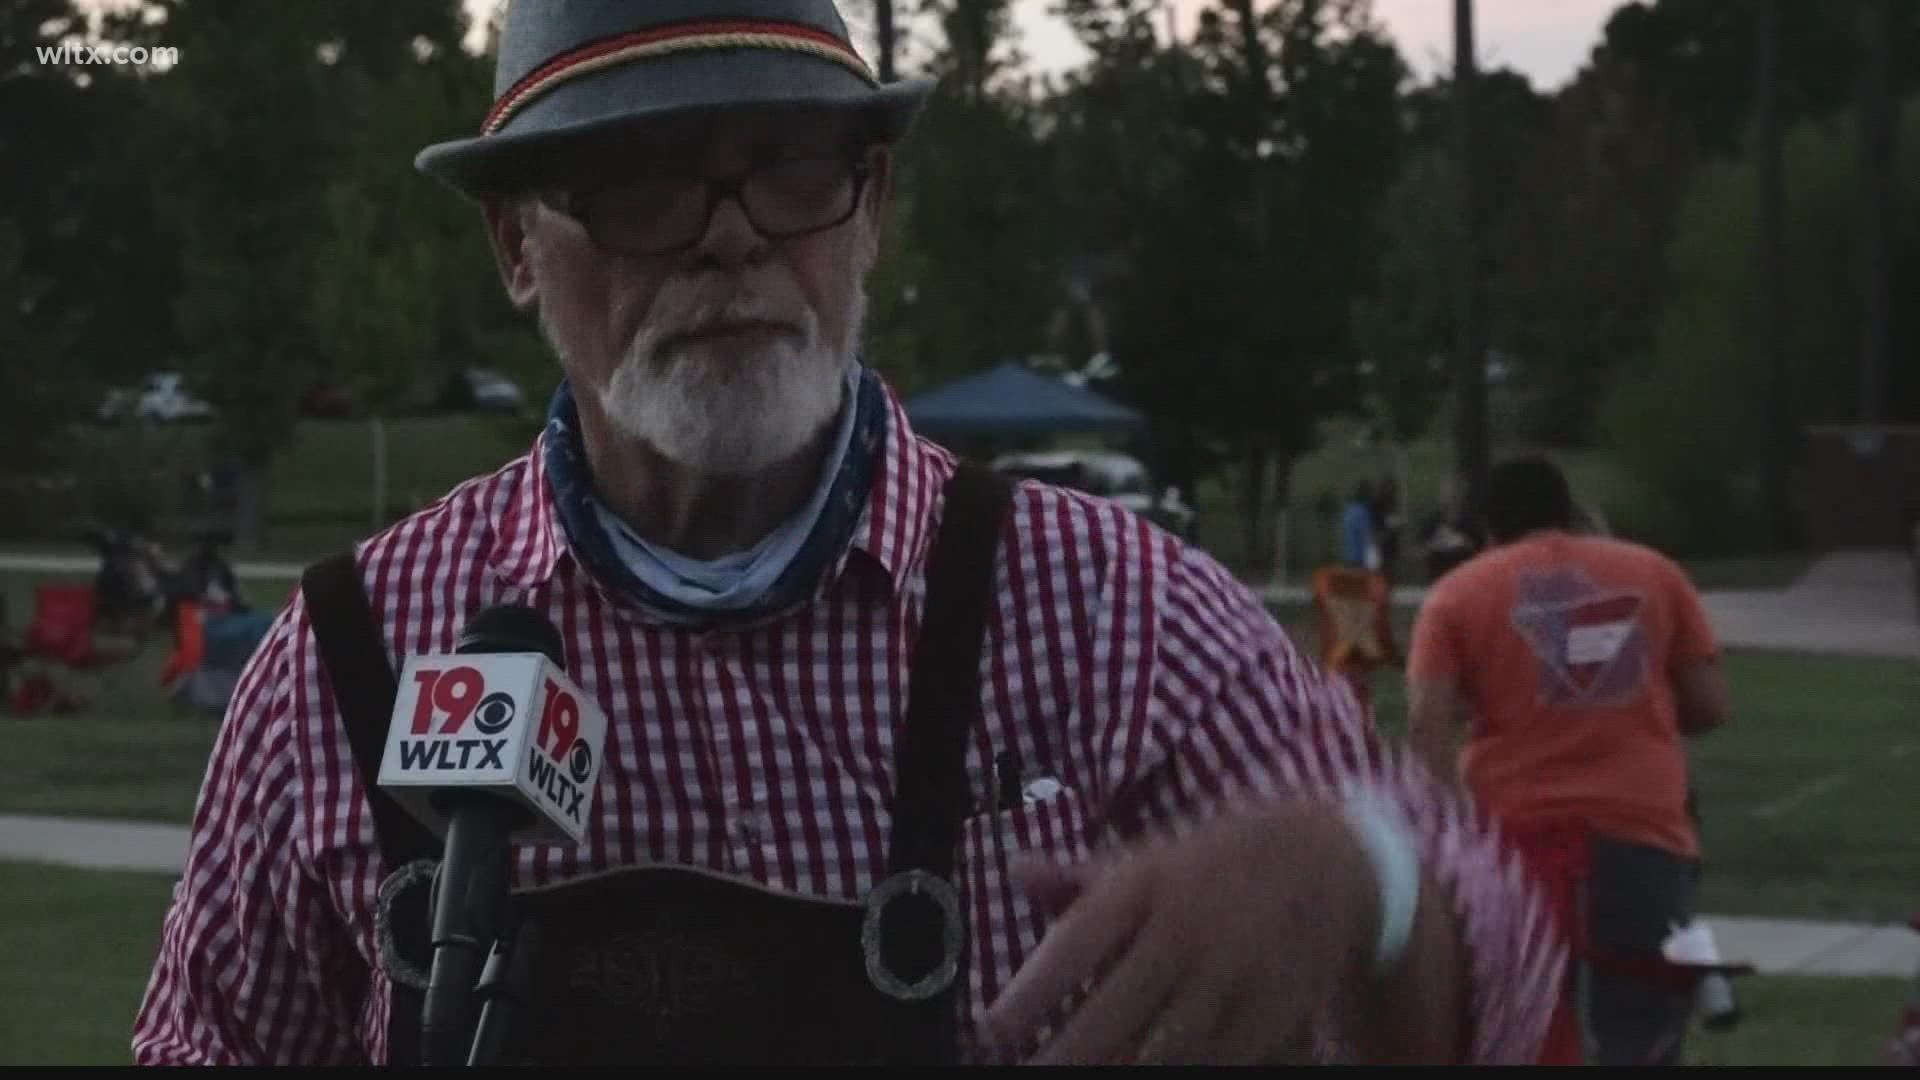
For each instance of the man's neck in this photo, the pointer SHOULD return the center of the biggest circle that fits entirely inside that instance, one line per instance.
(696, 514)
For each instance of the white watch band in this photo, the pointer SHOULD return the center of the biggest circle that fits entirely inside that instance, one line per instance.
(1389, 846)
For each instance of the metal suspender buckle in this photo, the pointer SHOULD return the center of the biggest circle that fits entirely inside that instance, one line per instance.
(393, 928)
(936, 889)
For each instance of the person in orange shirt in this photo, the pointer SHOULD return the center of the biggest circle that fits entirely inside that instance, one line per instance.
(1577, 666)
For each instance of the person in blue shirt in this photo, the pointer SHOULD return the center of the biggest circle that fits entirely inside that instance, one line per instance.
(1358, 547)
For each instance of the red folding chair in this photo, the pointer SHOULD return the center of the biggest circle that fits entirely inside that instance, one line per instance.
(59, 642)
(190, 644)
(61, 631)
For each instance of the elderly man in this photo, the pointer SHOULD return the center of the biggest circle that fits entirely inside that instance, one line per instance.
(841, 669)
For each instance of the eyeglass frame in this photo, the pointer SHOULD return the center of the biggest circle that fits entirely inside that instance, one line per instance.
(569, 202)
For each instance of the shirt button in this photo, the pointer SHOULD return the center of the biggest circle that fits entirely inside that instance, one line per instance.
(746, 830)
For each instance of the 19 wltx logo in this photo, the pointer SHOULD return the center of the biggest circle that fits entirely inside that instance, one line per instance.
(456, 696)
(559, 738)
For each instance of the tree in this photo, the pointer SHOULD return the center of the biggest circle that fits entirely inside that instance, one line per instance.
(1774, 436)
(307, 247)
(1692, 420)
(1407, 323)
(970, 275)
(1203, 173)
(1579, 250)
(1695, 60)
(42, 392)
(1579, 242)
(85, 224)
(1877, 224)
(83, 281)
(883, 23)
(1404, 328)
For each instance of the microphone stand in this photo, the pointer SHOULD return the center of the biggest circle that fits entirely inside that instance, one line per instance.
(504, 989)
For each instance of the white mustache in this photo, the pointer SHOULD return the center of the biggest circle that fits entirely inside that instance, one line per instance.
(705, 307)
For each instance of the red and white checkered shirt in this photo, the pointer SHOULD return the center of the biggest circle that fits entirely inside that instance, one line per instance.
(1134, 669)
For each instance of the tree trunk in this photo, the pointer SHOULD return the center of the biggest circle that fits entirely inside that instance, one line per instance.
(1770, 323)
(1253, 504)
(883, 20)
(250, 505)
(1470, 359)
(1877, 136)
(379, 427)
(1282, 519)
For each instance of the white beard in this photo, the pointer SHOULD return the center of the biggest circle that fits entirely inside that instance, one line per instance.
(731, 415)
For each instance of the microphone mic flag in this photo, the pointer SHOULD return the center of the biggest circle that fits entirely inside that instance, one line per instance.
(499, 717)
(492, 744)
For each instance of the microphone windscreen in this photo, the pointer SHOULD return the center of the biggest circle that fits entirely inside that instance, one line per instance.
(512, 628)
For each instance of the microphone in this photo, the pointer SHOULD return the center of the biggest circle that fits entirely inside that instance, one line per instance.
(487, 746)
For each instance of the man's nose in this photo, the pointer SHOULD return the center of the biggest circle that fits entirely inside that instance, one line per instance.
(730, 239)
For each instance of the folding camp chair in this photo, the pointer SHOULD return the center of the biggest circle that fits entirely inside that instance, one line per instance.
(59, 647)
(1354, 612)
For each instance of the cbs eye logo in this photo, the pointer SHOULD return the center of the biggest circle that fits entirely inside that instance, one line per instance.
(494, 714)
(580, 761)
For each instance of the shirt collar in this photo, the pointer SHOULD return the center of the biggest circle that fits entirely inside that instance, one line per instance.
(893, 530)
(888, 541)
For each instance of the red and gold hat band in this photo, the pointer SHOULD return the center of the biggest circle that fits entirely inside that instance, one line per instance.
(672, 40)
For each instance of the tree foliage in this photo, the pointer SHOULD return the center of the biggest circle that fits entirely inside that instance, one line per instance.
(1256, 223)
(1685, 417)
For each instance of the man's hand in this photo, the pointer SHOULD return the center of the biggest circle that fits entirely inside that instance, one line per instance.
(1217, 947)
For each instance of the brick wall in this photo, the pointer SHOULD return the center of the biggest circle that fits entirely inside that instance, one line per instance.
(1863, 486)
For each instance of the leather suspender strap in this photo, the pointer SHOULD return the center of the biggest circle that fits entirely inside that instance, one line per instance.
(920, 942)
(353, 650)
(353, 653)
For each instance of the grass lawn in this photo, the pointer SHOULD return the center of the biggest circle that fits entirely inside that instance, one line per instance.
(320, 491)
(1792, 1020)
(76, 947)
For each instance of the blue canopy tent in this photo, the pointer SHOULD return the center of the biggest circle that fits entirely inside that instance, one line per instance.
(1012, 401)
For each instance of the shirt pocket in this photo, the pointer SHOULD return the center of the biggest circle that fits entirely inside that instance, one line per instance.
(1003, 923)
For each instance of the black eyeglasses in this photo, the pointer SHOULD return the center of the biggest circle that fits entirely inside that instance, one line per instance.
(663, 214)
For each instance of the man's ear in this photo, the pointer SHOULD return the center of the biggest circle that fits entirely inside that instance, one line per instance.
(878, 195)
(507, 220)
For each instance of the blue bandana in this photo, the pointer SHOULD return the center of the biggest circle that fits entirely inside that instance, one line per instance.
(835, 510)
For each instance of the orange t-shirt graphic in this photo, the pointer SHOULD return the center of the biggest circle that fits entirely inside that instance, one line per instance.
(1563, 647)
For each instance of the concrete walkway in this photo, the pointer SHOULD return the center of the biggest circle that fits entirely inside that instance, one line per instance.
(90, 844)
(33, 562)
(1859, 603)
(1772, 946)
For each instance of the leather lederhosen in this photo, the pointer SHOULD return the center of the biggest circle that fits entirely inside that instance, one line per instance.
(674, 965)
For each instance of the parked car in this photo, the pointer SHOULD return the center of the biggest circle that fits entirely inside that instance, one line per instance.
(329, 401)
(483, 390)
(1110, 474)
(161, 398)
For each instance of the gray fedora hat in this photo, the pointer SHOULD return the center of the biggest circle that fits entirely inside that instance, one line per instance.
(568, 69)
